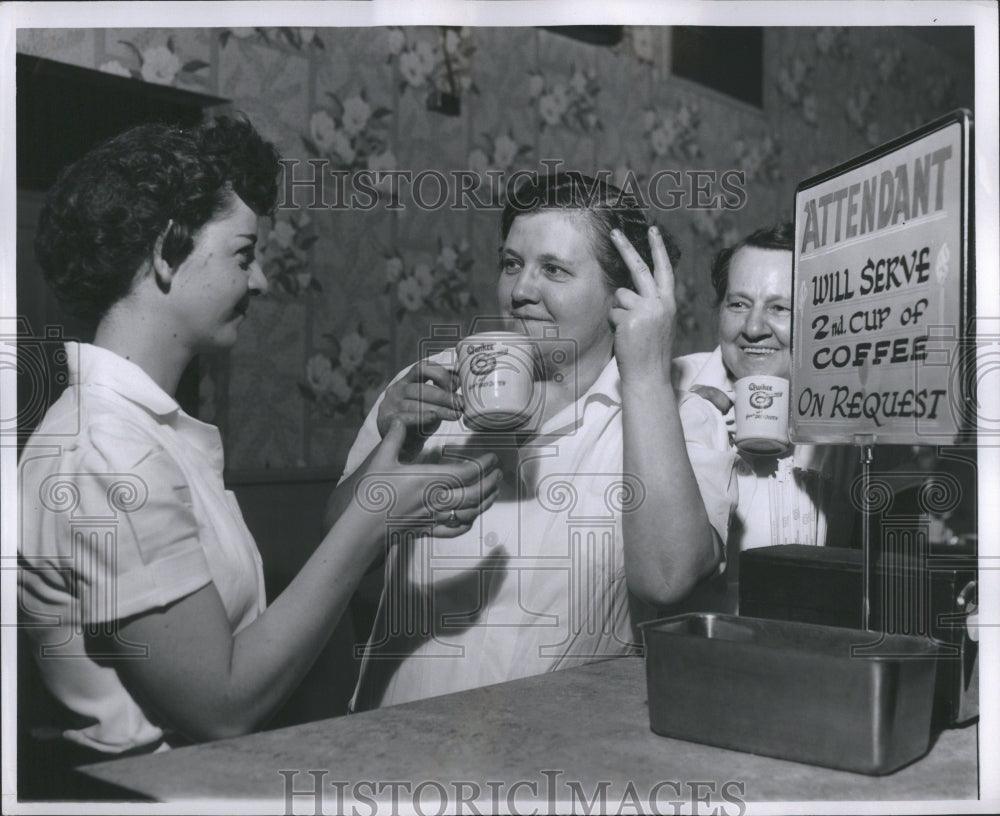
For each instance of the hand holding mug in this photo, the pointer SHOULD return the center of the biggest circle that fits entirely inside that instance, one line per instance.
(424, 397)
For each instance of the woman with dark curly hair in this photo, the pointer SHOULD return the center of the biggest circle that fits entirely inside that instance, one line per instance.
(142, 586)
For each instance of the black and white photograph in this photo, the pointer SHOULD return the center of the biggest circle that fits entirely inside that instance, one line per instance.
(519, 407)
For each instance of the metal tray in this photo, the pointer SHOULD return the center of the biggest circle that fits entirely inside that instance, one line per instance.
(791, 690)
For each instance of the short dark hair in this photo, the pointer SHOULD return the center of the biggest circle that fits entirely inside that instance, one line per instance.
(776, 236)
(607, 208)
(105, 212)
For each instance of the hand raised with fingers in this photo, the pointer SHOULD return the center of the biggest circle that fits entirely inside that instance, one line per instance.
(444, 498)
(643, 320)
(426, 395)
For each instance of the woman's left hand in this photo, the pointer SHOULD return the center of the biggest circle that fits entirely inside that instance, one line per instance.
(643, 320)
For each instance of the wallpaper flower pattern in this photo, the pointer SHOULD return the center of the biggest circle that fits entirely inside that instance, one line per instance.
(355, 292)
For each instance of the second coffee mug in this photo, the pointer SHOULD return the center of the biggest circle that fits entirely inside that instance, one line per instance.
(762, 414)
(497, 372)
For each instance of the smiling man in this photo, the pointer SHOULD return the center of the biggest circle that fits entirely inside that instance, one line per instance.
(755, 316)
(783, 499)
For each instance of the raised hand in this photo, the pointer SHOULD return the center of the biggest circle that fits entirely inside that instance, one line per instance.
(444, 498)
(424, 397)
(643, 320)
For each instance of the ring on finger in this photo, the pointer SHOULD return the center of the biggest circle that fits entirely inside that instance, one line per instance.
(452, 520)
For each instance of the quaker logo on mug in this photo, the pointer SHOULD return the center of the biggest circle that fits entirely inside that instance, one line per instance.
(497, 374)
(482, 364)
(762, 414)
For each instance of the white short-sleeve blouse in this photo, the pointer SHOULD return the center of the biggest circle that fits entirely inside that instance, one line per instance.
(122, 510)
(538, 584)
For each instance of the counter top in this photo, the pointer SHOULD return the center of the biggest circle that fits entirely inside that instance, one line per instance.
(561, 735)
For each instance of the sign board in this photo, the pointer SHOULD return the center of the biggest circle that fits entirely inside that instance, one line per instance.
(880, 293)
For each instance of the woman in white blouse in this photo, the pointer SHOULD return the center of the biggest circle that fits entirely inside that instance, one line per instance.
(610, 496)
(142, 587)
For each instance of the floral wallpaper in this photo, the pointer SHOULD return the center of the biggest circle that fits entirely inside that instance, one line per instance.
(355, 291)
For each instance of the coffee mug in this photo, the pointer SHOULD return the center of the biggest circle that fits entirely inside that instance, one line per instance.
(762, 414)
(497, 372)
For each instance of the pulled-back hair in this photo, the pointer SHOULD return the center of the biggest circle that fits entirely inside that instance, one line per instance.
(776, 236)
(105, 212)
(606, 207)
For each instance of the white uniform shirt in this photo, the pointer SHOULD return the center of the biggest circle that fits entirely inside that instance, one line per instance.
(538, 584)
(782, 500)
(122, 510)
